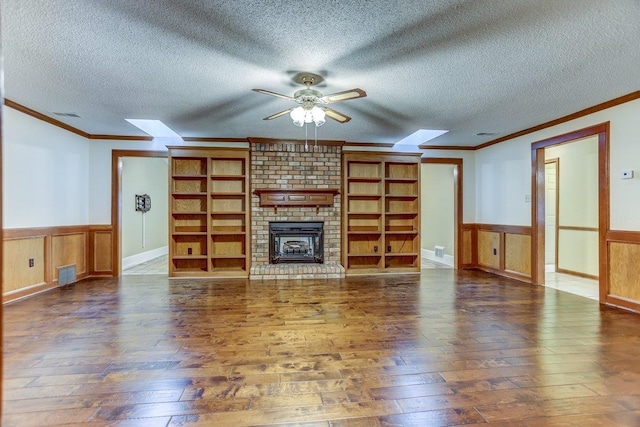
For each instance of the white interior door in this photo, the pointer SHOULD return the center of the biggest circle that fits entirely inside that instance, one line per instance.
(551, 212)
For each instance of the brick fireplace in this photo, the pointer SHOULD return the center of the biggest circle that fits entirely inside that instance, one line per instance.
(289, 166)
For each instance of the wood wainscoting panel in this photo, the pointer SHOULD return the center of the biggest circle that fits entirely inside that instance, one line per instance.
(70, 249)
(102, 252)
(624, 270)
(89, 247)
(16, 271)
(467, 247)
(489, 249)
(517, 253)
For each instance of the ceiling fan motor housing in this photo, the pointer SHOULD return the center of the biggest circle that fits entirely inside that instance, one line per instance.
(305, 97)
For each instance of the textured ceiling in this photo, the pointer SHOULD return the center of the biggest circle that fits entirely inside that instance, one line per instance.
(469, 66)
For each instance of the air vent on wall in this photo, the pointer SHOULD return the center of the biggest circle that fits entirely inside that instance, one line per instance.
(66, 114)
(486, 133)
(66, 274)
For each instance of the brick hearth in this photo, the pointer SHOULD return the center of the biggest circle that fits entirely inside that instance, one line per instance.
(297, 271)
(290, 166)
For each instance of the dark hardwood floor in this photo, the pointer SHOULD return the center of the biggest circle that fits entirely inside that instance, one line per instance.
(440, 348)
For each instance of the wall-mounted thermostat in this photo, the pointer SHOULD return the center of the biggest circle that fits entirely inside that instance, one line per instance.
(626, 174)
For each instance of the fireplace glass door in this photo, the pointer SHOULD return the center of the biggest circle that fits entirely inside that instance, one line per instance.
(296, 242)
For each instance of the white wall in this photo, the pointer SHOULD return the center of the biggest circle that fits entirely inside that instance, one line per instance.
(503, 181)
(503, 171)
(437, 213)
(45, 174)
(144, 175)
(578, 252)
(468, 179)
(625, 154)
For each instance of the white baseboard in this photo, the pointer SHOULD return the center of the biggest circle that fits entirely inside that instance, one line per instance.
(136, 259)
(431, 256)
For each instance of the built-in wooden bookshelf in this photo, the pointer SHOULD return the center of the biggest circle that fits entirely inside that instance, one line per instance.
(381, 212)
(209, 212)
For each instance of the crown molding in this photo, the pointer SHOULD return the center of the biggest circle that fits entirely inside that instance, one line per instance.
(254, 140)
(121, 137)
(369, 144)
(594, 109)
(212, 139)
(33, 113)
(36, 115)
(446, 147)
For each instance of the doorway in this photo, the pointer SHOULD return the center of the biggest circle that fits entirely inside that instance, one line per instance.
(117, 162)
(441, 212)
(580, 231)
(144, 244)
(571, 216)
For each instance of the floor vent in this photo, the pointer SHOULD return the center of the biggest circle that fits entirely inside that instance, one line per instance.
(439, 251)
(66, 274)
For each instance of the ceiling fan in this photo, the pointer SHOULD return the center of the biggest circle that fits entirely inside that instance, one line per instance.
(312, 103)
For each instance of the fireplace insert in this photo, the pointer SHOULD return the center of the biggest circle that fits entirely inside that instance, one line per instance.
(296, 242)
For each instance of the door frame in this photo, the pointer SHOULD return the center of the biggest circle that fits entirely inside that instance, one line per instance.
(116, 199)
(538, 202)
(457, 201)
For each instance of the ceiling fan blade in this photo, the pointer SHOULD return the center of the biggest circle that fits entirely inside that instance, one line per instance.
(278, 95)
(338, 117)
(343, 96)
(276, 115)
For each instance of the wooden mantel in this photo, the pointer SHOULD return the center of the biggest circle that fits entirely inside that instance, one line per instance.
(280, 197)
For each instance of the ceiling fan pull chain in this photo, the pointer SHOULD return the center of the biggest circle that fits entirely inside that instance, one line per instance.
(316, 134)
(306, 145)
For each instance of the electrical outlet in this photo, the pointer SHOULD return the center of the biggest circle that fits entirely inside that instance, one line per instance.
(495, 251)
(626, 174)
(389, 248)
(189, 251)
(32, 262)
(375, 249)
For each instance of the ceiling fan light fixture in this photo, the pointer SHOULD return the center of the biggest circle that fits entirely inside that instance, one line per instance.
(308, 116)
(301, 115)
(318, 115)
(298, 116)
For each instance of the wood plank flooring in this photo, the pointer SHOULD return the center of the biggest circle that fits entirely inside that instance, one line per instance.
(442, 348)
